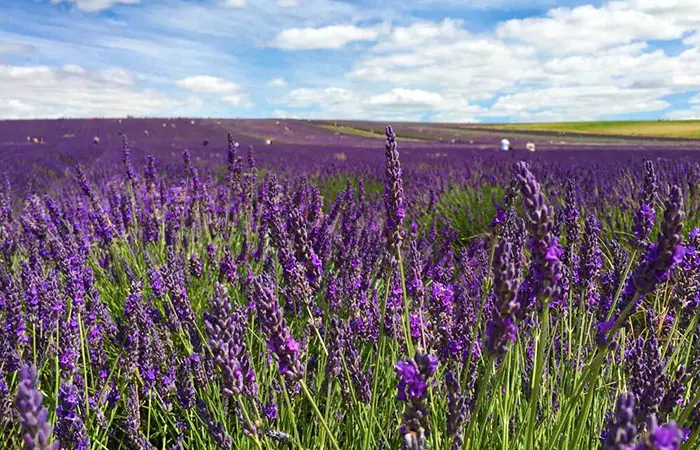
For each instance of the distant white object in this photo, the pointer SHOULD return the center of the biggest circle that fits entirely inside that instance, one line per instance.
(120, 120)
(277, 122)
(192, 122)
(530, 146)
(268, 141)
(164, 125)
(172, 125)
(505, 145)
(29, 139)
(96, 140)
(145, 132)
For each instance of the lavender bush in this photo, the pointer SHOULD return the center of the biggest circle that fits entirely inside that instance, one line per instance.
(294, 299)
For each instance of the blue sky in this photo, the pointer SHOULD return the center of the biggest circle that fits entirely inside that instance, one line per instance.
(430, 60)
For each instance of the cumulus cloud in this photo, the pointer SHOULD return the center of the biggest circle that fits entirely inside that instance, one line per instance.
(302, 97)
(477, 66)
(233, 3)
(96, 5)
(402, 38)
(72, 68)
(534, 69)
(208, 84)
(575, 103)
(277, 82)
(409, 104)
(75, 93)
(586, 29)
(693, 39)
(330, 37)
(228, 91)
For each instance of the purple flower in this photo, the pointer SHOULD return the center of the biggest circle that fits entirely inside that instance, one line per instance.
(621, 430)
(546, 251)
(226, 331)
(279, 338)
(32, 415)
(70, 428)
(393, 194)
(501, 329)
(601, 337)
(666, 437)
(271, 410)
(414, 377)
(662, 256)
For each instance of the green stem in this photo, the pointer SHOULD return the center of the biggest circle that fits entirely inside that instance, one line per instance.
(318, 413)
(537, 379)
(479, 400)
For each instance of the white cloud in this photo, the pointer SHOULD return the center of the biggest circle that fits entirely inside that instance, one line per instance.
(288, 3)
(407, 98)
(228, 91)
(237, 100)
(41, 91)
(587, 29)
(691, 113)
(208, 84)
(233, 3)
(13, 47)
(71, 68)
(302, 97)
(330, 37)
(277, 82)
(398, 103)
(96, 5)
(116, 75)
(578, 103)
(406, 38)
(476, 66)
(693, 40)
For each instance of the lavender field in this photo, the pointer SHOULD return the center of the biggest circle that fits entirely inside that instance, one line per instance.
(285, 284)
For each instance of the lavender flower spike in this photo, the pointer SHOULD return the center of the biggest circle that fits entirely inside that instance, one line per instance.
(279, 338)
(667, 437)
(501, 330)
(414, 377)
(621, 429)
(32, 416)
(393, 194)
(662, 256)
(226, 329)
(546, 251)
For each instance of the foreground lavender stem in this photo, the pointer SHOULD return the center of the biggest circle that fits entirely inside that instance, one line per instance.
(393, 194)
(279, 339)
(621, 429)
(546, 251)
(414, 377)
(661, 257)
(501, 330)
(32, 416)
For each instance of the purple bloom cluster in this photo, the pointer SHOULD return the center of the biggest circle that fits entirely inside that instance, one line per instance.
(221, 301)
(32, 415)
(414, 378)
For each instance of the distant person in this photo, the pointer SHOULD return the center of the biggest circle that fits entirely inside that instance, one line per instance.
(506, 147)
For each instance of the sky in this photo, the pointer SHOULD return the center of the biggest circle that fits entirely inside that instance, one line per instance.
(417, 60)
